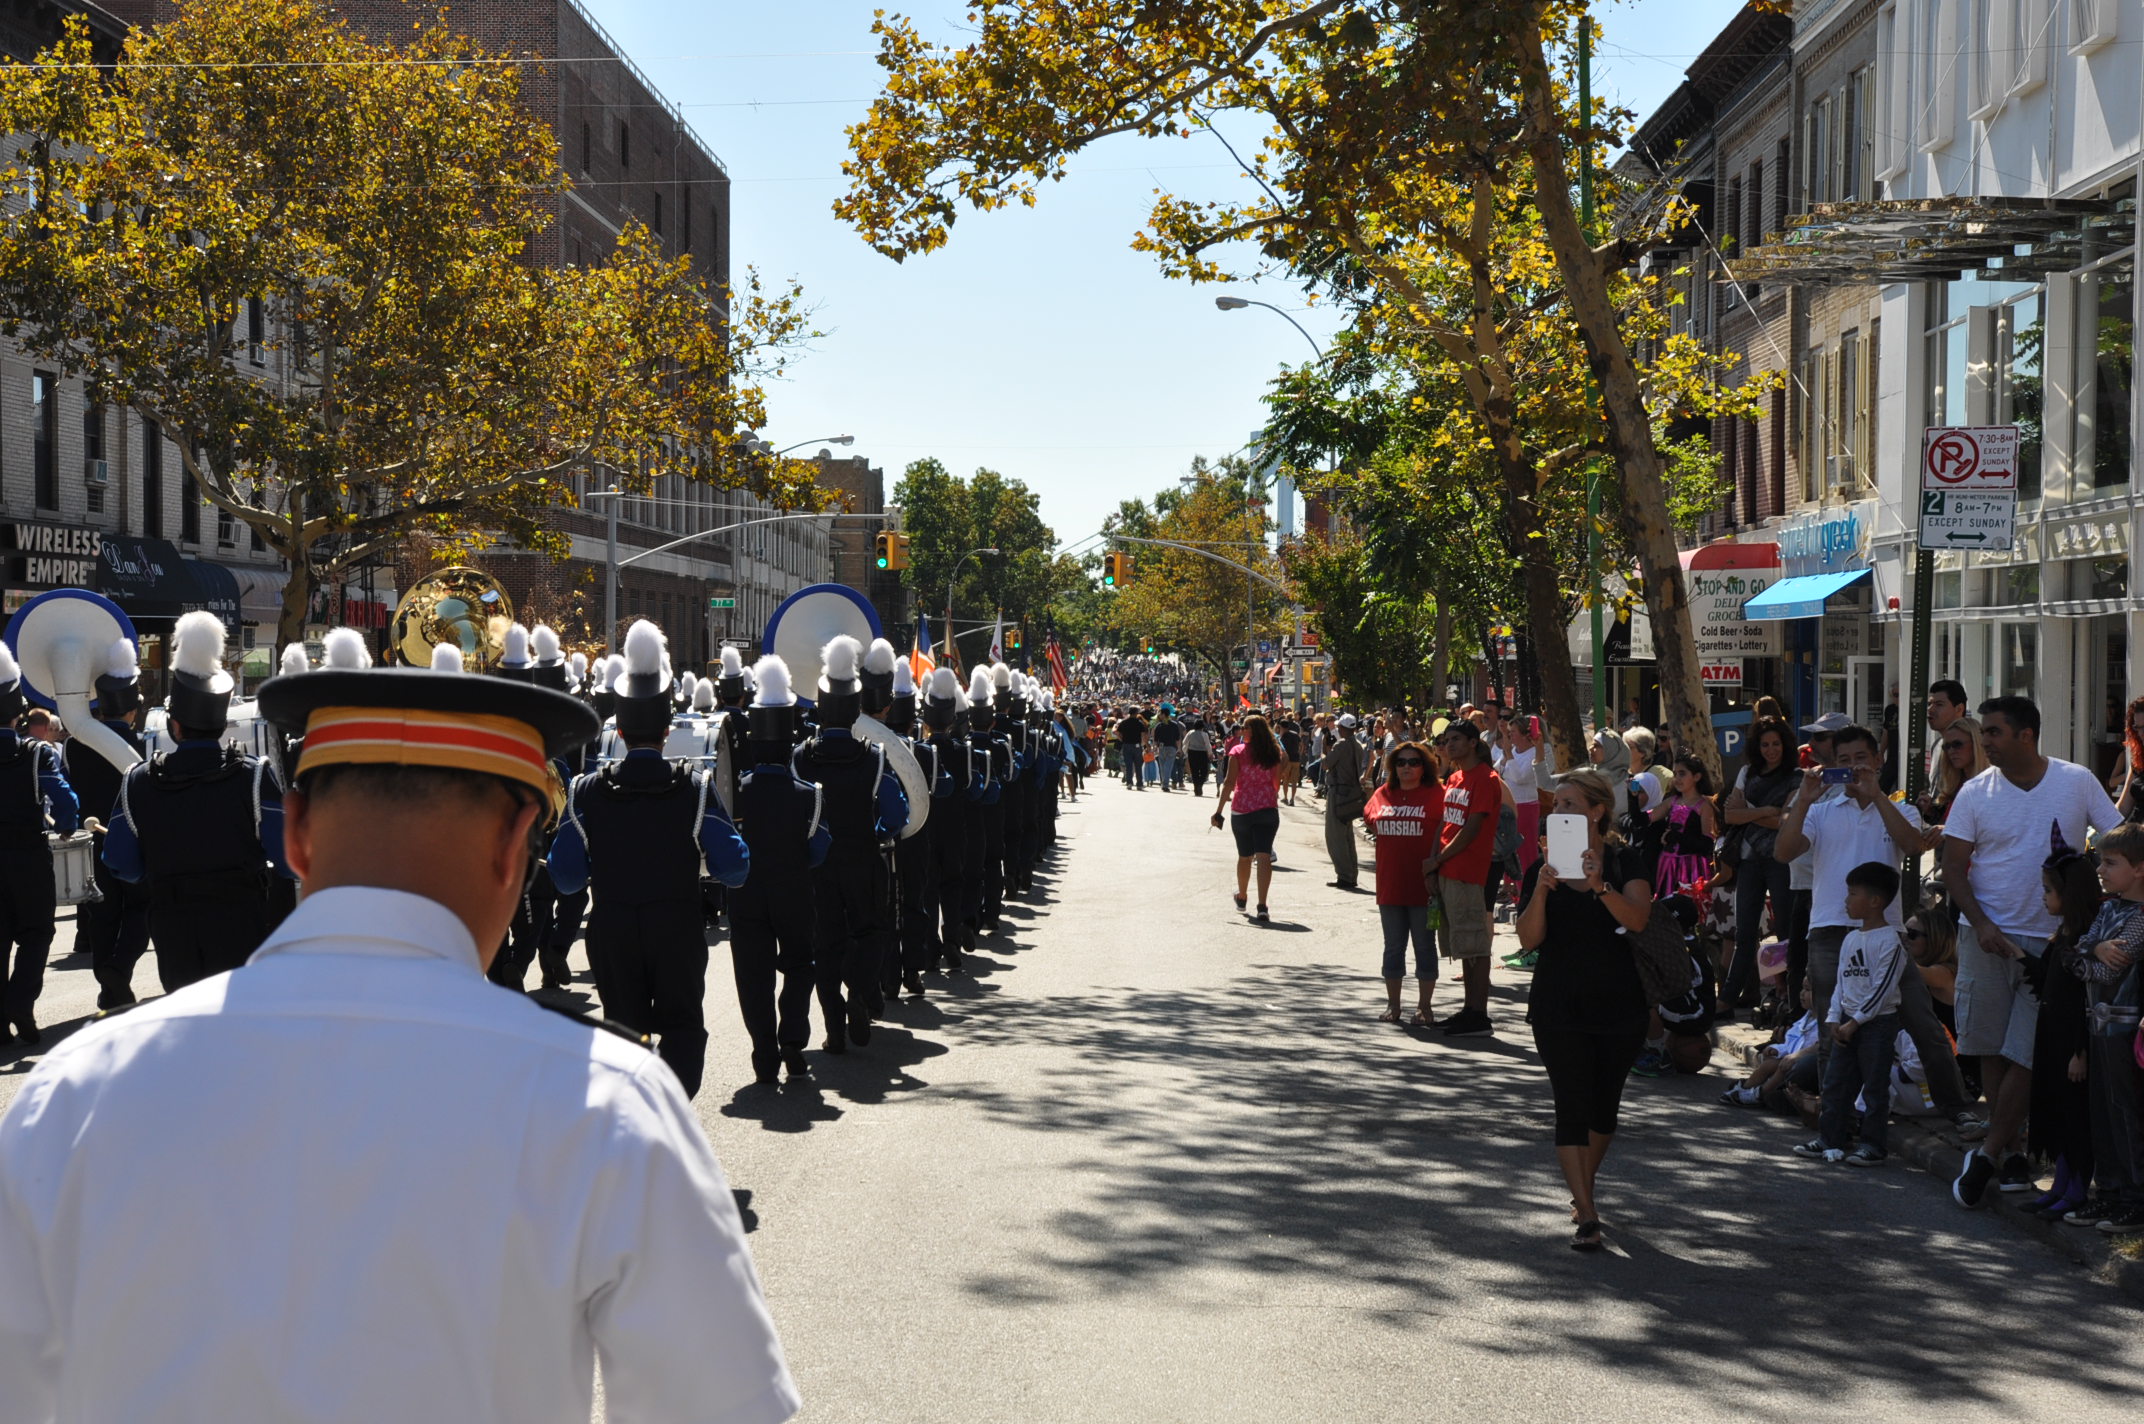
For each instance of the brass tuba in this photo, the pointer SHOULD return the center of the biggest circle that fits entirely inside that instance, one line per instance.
(461, 606)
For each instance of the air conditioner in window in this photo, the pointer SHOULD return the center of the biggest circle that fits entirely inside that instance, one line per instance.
(97, 472)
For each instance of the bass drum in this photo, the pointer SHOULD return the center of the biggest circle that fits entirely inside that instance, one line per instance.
(695, 739)
(905, 766)
(74, 868)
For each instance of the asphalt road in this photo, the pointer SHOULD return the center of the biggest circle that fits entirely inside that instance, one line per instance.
(1152, 1162)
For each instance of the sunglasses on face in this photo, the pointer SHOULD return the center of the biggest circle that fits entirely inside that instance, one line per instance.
(1911, 933)
(1409, 761)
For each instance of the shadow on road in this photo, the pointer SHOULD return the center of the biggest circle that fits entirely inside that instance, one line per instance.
(1269, 1126)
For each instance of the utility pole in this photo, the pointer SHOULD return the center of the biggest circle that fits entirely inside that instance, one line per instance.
(1593, 472)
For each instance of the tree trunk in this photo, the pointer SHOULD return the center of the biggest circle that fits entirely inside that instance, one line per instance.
(1630, 433)
(1440, 654)
(297, 597)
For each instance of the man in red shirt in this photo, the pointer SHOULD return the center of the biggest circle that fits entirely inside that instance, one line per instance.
(1459, 871)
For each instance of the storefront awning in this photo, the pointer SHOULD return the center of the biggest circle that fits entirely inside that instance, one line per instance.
(1799, 597)
(1931, 240)
(146, 577)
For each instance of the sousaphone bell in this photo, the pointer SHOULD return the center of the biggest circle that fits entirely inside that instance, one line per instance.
(463, 607)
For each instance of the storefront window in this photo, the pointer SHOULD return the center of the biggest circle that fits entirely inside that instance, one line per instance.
(2019, 332)
(2019, 583)
(2105, 578)
(2021, 658)
(1950, 589)
(2115, 361)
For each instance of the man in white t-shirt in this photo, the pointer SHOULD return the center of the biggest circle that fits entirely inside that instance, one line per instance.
(1860, 826)
(2000, 832)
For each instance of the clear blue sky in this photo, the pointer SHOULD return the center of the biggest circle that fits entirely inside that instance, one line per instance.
(1036, 342)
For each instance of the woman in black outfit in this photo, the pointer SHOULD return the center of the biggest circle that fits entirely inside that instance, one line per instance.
(1587, 1008)
(1757, 805)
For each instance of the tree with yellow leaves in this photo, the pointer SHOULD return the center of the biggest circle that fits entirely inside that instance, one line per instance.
(377, 206)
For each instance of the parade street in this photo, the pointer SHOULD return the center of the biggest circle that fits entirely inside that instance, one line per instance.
(1151, 1162)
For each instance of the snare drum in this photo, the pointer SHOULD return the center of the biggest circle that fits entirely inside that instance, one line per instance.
(74, 868)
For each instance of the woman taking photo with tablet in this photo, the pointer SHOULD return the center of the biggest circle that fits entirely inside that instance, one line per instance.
(1588, 1007)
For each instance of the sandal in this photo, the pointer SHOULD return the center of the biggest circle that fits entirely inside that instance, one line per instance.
(1389, 1016)
(1423, 1019)
(1587, 1237)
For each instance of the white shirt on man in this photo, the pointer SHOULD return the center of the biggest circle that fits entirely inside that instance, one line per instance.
(2011, 832)
(1843, 834)
(356, 1181)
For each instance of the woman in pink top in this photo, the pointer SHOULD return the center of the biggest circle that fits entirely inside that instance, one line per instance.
(1252, 788)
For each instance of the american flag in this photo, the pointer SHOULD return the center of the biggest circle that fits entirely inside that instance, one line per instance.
(1058, 680)
(920, 661)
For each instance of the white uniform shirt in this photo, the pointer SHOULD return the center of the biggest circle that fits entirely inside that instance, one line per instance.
(355, 1181)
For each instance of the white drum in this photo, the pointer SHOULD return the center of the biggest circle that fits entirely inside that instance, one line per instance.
(74, 868)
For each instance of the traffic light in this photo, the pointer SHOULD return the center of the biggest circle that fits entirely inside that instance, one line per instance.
(1012, 639)
(892, 550)
(1116, 569)
(1150, 650)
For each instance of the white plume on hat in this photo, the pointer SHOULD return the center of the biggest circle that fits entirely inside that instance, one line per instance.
(517, 647)
(703, 695)
(10, 670)
(1000, 675)
(446, 657)
(197, 649)
(945, 687)
(880, 659)
(687, 684)
(543, 641)
(122, 662)
(613, 671)
(344, 649)
(979, 687)
(732, 663)
(295, 661)
(771, 675)
(645, 655)
(904, 678)
(579, 663)
(840, 658)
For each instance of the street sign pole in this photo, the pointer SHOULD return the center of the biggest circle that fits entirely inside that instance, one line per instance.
(1924, 591)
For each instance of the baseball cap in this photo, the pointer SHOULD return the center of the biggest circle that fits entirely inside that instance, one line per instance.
(1347, 719)
(1828, 723)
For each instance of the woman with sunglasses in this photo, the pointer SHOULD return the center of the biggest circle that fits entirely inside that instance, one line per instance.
(1961, 758)
(1406, 818)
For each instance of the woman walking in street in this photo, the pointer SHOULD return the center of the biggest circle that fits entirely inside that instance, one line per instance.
(1252, 786)
(1406, 817)
(1588, 1007)
(1198, 755)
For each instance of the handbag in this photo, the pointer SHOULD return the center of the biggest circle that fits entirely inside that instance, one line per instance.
(1661, 954)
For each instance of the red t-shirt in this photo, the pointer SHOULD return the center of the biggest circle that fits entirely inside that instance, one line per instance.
(1476, 792)
(1408, 827)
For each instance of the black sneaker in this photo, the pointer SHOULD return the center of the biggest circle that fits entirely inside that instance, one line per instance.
(1468, 1023)
(2017, 1175)
(1971, 1188)
(2095, 1210)
(1865, 1156)
(2124, 1220)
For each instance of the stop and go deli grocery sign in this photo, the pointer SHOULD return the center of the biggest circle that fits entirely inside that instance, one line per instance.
(1721, 578)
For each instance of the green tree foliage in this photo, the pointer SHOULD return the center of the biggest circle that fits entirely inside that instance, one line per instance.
(946, 518)
(425, 374)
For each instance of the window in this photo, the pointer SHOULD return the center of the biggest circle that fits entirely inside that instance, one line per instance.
(2112, 377)
(45, 437)
(2020, 333)
(587, 150)
(2100, 578)
(1782, 184)
(625, 147)
(189, 508)
(2097, 22)
(1806, 381)
(2030, 23)
(1936, 94)
(2021, 658)
(658, 214)
(1896, 104)
(256, 331)
(1854, 151)
(1988, 52)
(1816, 152)
(1731, 229)
(152, 480)
(1852, 399)
(95, 472)
(1756, 207)
(2018, 583)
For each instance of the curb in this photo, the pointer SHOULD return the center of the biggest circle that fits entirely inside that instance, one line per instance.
(1940, 1154)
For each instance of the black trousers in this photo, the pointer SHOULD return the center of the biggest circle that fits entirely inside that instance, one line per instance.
(206, 925)
(115, 931)
(951, 830)
(1198, 765)
(28, 908)
(529, 938)
(993, 861)
(917, 900)
(844, 943)
(770, 934)
(651, 974)
(1586, 1073)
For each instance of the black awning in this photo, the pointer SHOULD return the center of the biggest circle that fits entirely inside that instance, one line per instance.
(216, 589)
(1934, 240)
(147, 577)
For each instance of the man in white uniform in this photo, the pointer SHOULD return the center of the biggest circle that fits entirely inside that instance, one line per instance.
(356, 1181)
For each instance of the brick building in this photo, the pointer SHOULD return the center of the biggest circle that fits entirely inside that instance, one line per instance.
(860, 486)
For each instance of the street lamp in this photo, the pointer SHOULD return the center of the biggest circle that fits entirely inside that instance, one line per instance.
(764, 447)
(1239, 303)
(954, 578)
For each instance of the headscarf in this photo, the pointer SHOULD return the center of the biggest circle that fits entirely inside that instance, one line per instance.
(1615, 757)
